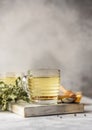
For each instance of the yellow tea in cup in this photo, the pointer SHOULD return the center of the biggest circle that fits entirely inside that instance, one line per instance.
(44, 85)
(9, 78)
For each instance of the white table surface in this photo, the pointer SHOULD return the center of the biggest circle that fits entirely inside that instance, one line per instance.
(82, 121)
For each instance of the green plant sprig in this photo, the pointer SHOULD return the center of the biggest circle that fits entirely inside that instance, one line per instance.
(12, 93)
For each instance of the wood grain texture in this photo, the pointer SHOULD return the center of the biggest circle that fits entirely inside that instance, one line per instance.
(28, 110)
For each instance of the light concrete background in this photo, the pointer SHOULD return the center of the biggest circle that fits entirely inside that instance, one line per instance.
(48, 34)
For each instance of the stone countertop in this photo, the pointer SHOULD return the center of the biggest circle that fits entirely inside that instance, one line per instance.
(79, 121)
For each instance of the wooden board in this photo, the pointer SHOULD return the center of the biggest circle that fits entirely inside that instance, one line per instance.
(28, 109)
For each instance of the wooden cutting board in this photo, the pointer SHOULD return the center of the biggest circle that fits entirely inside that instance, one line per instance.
(29, 109)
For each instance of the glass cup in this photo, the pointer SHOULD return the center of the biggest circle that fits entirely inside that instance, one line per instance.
(9, 77)
(44, 85)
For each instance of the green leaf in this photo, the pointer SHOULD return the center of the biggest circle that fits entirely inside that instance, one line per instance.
(9, 93)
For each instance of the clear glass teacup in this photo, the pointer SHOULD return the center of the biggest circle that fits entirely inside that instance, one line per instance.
(44, 85)
(10, 77)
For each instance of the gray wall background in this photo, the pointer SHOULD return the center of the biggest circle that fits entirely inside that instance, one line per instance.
(48, 34)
